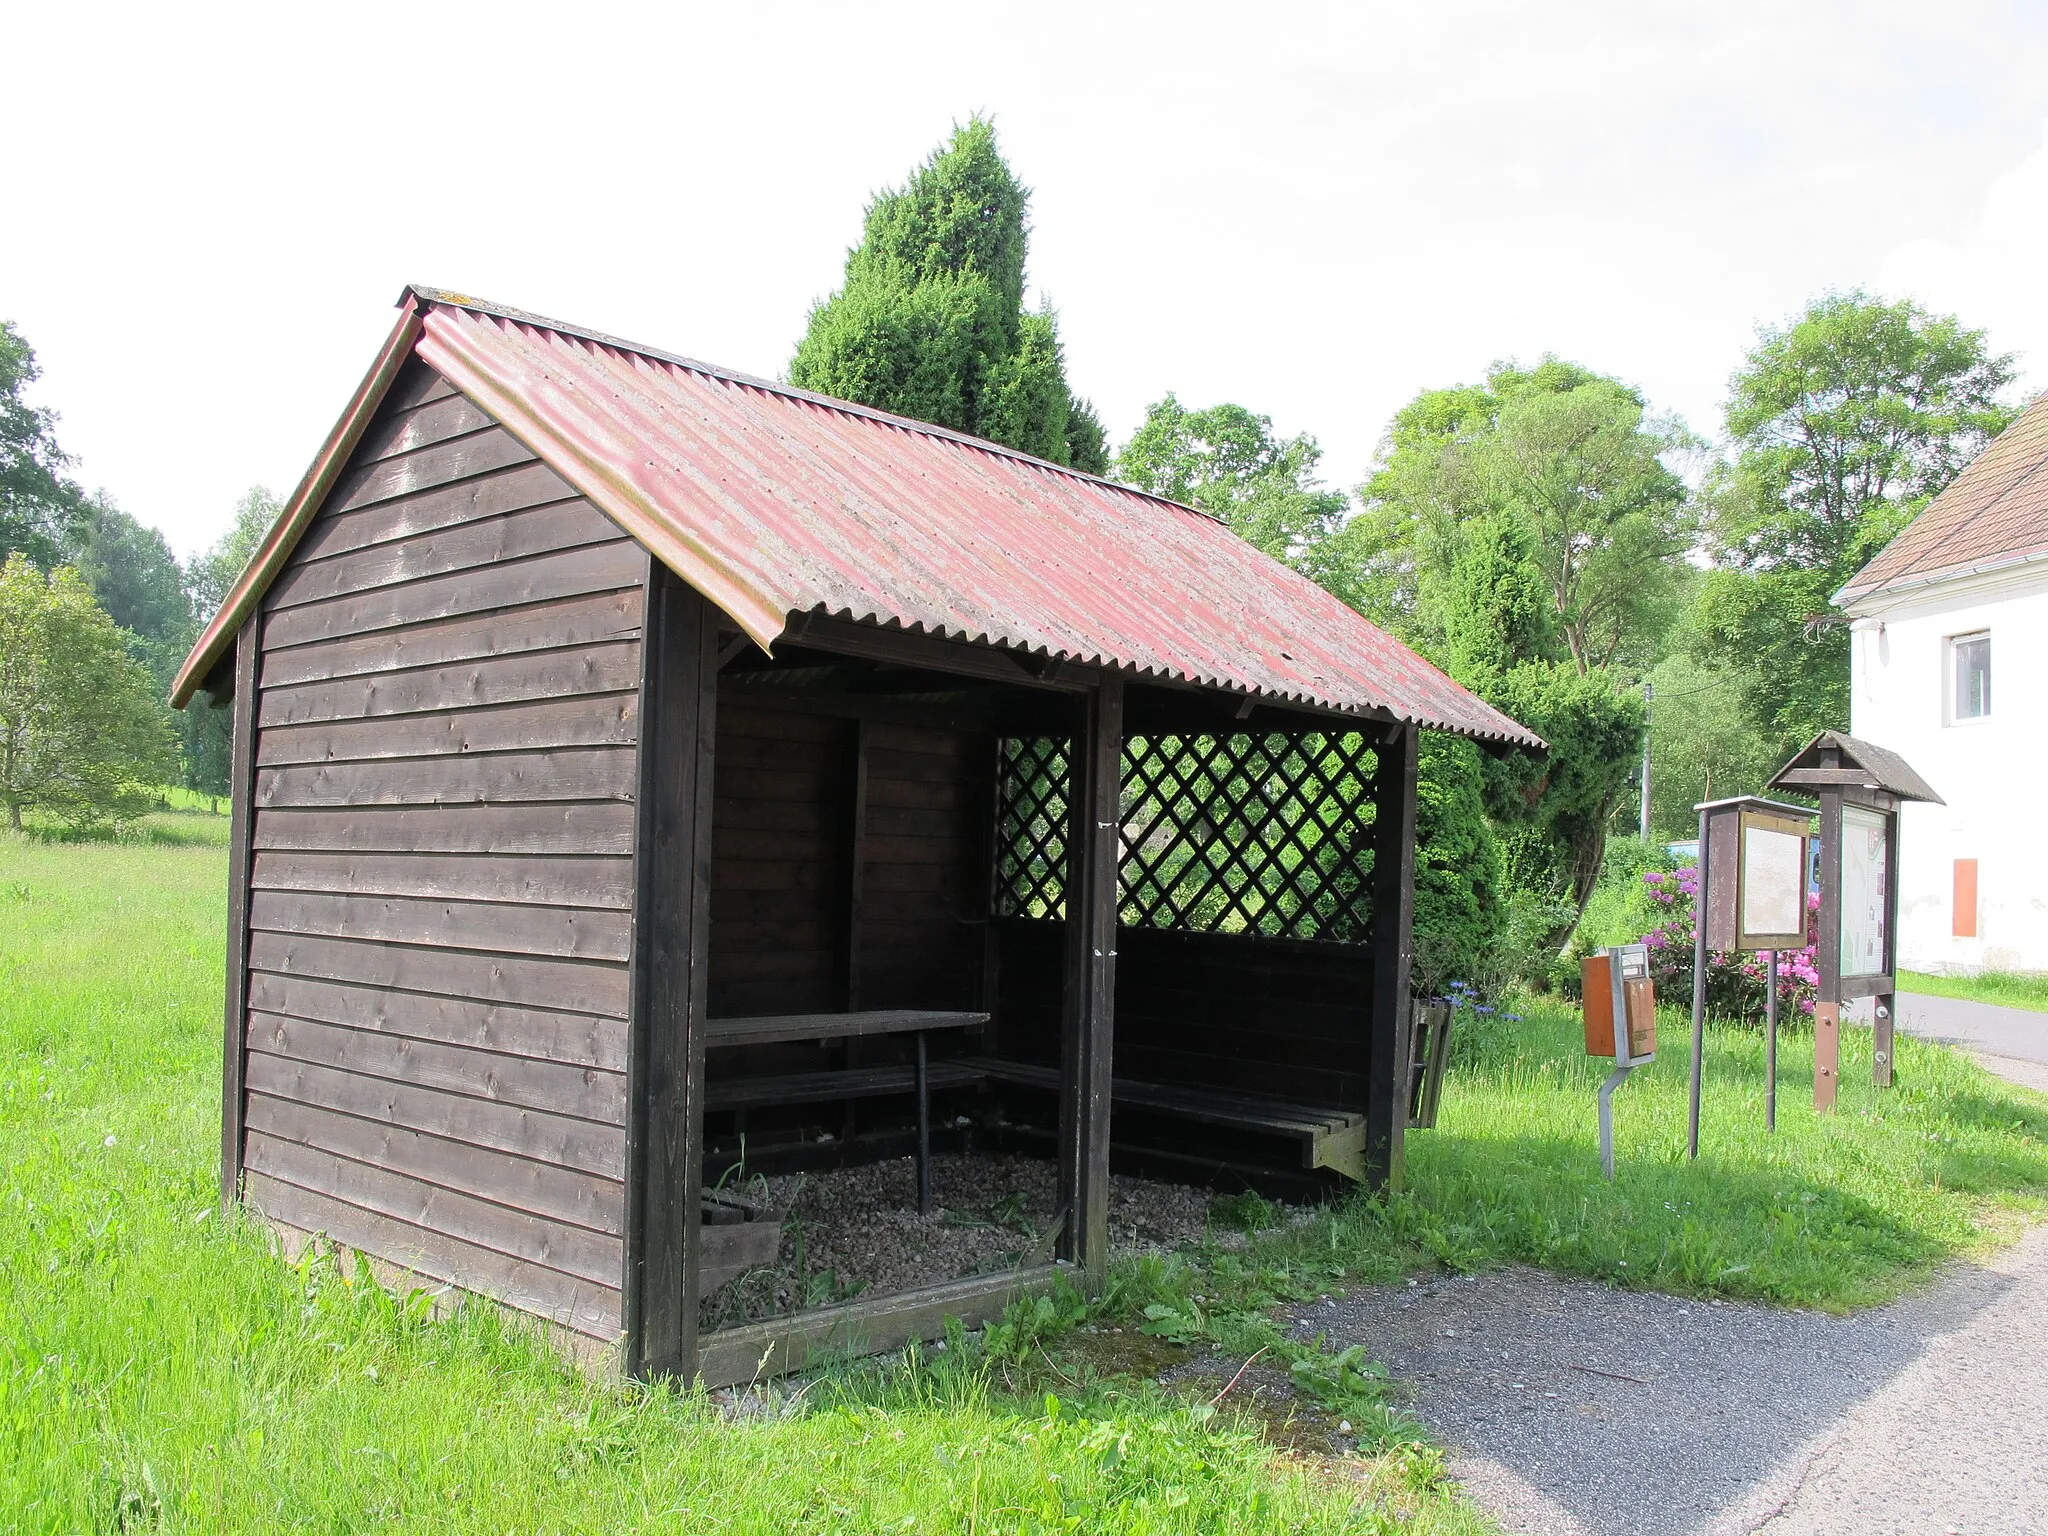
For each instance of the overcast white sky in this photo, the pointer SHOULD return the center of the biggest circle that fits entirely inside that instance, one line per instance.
(1315, 210)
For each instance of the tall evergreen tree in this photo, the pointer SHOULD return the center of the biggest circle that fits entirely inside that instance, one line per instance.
(930, 322)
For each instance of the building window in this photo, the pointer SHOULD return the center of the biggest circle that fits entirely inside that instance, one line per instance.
(1970, 677)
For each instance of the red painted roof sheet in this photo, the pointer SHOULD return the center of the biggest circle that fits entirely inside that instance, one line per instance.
(776, 503)
(1994, 513)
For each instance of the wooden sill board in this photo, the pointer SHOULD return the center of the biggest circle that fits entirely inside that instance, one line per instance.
(865, 1326)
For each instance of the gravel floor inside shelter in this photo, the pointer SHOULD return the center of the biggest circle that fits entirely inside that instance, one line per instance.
(855, 1231)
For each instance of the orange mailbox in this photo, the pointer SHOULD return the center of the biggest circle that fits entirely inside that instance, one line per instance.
(1621, 1021)
(1616, 985)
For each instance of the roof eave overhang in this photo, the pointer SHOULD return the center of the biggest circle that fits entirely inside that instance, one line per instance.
(1851, 595)
(240, 604)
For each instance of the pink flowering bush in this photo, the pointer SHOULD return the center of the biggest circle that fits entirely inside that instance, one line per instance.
(1735, 982)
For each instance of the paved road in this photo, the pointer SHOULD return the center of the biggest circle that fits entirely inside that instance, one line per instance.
(2013, 1032)
(1577, 1410)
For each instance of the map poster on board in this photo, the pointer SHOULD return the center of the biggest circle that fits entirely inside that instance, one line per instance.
(1865, 901)
(1773, 883)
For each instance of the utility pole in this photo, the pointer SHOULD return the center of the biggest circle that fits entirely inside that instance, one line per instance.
(1647, 690)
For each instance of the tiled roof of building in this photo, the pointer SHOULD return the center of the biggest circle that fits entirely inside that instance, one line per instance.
(1995, 513)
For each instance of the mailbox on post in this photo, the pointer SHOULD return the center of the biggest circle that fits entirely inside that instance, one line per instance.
(1620, 1009)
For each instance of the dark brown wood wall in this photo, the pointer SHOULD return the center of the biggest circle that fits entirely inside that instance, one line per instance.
(439, 911)
(779, 872)
(1278, 1017)
(788, 934)
(924, 883)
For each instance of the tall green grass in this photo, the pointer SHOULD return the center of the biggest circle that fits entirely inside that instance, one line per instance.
(162, 1370)
(1836, 1211)
(2005, 989)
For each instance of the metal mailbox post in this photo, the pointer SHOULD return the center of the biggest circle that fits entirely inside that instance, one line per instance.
(1621, 1021)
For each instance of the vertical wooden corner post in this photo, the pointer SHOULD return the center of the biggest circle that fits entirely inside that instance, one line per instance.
(1827, 1007)
(1087, 1024)
(234, 1106)
(1393, 912)
(671, 928)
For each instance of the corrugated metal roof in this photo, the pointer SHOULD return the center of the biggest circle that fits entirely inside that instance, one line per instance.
(777, 503)
(1994, 513)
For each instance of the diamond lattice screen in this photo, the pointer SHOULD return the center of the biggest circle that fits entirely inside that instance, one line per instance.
(1258, 834)
(1031, 839)
(1263, 834)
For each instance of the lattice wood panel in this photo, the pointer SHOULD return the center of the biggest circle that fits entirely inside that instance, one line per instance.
(1031, 839)
(1248, 833)
(1244, 833)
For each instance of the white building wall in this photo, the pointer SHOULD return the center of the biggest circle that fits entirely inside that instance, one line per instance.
(1993, 772)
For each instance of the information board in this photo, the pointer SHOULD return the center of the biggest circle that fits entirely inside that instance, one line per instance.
(1865, 899)
(1773, 884)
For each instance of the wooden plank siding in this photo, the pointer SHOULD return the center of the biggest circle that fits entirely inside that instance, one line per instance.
(439, 928)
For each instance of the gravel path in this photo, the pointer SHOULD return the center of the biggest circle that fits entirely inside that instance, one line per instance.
(1578, 1410)
(855, 1231)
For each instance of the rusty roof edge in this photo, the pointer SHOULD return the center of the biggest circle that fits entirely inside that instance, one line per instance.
(276, 546)
(470, 302)
(1330, 705)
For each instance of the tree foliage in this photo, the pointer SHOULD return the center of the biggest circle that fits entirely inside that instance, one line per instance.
(37, 502)
(1845, 423)
(1229, 462)
(83, 734)
(1570, 457)
(930, 321)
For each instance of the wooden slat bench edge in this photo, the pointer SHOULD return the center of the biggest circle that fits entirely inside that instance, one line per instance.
(1329, 1138)
(772, 1029)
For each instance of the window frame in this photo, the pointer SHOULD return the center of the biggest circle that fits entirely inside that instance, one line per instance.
(1952, 681)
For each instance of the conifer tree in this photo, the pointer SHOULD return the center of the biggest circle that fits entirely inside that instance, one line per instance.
(930, 322)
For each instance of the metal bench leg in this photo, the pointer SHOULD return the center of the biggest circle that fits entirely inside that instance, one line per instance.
(924, 1132)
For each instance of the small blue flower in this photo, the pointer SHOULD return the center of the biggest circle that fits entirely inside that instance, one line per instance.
(1482, 1010)
(1512, 1018)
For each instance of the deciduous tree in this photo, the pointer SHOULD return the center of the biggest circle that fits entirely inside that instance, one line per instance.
(37, 502)
(1845, 423)
(83, 733)
(1229, 462)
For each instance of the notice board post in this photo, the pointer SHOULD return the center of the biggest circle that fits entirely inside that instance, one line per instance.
(1861, 787)
(1752, 897)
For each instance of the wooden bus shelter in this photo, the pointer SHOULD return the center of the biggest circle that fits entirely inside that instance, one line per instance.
(635, 761)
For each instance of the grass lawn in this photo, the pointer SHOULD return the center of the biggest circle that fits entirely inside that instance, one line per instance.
(161, 1370)
(2008, 989)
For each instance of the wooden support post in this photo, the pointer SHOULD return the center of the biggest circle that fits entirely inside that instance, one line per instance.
(1827, 1012)
(1885, 1006)
(1393, 898)
(671, 932)
(234, 1104)
(856, 812)
(1088, 1013)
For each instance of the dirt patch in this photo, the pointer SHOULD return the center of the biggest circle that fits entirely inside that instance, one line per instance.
(855, 1231)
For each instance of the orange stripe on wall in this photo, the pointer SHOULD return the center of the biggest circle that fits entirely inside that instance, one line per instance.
(1966, 899)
